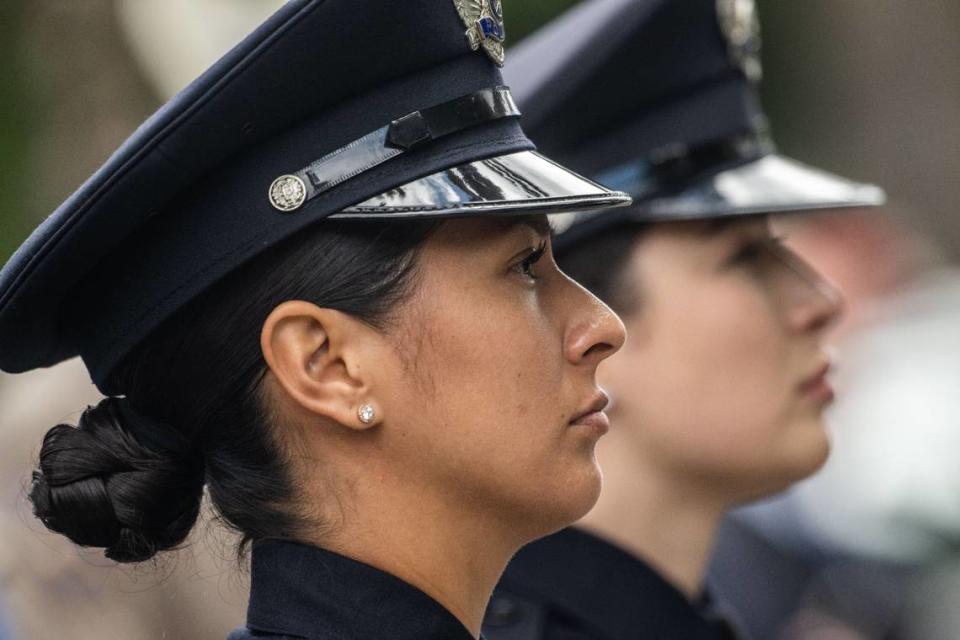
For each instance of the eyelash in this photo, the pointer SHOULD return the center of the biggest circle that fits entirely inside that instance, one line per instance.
(525, 266)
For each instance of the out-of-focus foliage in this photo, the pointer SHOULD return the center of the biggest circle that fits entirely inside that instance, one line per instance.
(14, 129)
(870, 89)
(70, 93)
(525, 16)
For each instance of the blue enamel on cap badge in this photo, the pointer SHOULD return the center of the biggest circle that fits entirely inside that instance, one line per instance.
(484, 22)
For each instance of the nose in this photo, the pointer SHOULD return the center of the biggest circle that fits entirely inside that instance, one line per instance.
(594, 331)
(814, 303)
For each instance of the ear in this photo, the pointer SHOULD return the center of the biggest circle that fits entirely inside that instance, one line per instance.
(316, 355)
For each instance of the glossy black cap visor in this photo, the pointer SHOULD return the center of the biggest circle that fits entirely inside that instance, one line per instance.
(518, 183)
(772, 184)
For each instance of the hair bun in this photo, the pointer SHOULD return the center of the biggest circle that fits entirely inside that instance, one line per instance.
(101, 486)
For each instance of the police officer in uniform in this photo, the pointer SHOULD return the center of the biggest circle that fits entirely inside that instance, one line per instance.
(718, 394)
(312, 286)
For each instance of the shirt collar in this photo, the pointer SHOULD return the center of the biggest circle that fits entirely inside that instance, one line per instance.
(312, 593)
(610, 591)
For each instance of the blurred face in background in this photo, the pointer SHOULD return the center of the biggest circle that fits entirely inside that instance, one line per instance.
(721, 384)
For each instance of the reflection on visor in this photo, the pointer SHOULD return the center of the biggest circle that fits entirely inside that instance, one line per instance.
(514, 183)
(772, 184)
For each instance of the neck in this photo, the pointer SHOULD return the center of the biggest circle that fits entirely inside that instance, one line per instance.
(667, 522)
(451, 554)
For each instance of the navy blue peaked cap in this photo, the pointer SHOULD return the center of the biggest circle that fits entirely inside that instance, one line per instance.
(331, 108)
(659, 98)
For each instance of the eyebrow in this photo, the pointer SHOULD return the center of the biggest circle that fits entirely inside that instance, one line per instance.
(717, 226)
(539, 223)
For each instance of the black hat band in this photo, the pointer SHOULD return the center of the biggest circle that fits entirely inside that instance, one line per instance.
(677, 166)
(290, 192)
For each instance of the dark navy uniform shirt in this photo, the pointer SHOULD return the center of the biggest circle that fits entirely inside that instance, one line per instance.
(575, 586)
(298, 591)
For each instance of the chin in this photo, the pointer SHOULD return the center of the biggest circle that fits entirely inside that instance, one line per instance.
(593, 484)
(806, 456)
(576, 496)
(820, 452)
(814, 449)
(799, 459)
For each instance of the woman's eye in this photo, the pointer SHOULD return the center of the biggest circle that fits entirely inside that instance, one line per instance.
(748, 252)
(753, 251)
(525, 266)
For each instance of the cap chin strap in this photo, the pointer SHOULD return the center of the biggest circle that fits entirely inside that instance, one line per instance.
(290, 192)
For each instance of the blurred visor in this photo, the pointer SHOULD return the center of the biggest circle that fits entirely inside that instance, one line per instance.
(772, 184)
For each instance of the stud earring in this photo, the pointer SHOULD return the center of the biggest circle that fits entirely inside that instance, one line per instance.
(367, 414)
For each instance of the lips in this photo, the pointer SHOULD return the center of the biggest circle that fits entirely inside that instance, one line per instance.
(593, 418)
(818, 376)
(597, 405)
(817, 385)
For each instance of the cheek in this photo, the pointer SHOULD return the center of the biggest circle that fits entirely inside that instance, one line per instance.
(721, 350)
(705, 380)
(488, 369)
(489, 418)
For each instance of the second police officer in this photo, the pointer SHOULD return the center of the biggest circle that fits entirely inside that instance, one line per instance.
(719, 392)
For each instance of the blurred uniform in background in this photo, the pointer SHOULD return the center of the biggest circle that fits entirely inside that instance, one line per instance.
(717, 397)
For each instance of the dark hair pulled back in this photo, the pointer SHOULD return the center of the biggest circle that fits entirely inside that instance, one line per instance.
(100, 487)
(133, 484)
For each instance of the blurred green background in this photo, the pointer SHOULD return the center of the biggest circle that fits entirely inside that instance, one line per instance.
(866, 88)
(14, 128)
